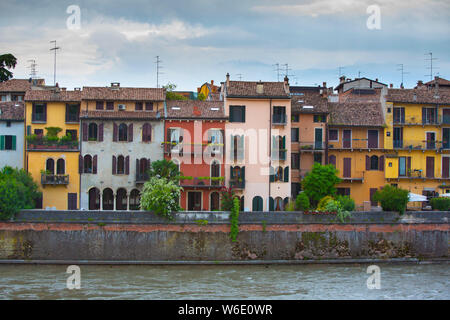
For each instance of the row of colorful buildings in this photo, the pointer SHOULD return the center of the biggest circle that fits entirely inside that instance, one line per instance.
(90, 148)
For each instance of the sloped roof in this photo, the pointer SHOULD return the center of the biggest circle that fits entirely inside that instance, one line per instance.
(119, 115)
(248, 89)
(440, 81)
(52, 95)
(12, 110)
(15, 85)
(123, 94)
(356, 114)
(191, 109)
(309, 98)
(419, 95)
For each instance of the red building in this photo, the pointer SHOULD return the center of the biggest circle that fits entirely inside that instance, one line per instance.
(194, 140)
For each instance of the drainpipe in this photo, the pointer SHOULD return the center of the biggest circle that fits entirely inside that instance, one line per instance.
(326, 139)
(270, 149)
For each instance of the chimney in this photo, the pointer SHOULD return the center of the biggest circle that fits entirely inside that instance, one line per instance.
(63, 89)
(324, 84)
(342, 79)
(286, 84)
(419, 83)
(212, 82)
(115, 84)
(391, 85)
(228, 79)
(260, 87)
(376, 79)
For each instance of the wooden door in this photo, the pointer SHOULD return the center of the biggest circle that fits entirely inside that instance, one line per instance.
(430, 167)
(373, 139)
(347, 167)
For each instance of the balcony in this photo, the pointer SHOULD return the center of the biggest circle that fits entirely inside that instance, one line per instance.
(279, 119)
(237, 183)
(358, 144)
(195, 149)
(202, 182)
(279, 155)
(419, 121)
(314, 146)
(355, 176)
(54, 179)
(421, 145)
(44, 144)
(142, 178)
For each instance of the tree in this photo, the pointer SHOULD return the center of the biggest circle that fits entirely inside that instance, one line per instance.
(392, 198)
(201, 96)
(320, 182)
(170, 94)
(164, 169)
(227, 198)
(302, 202)
(160, 196)
(17, 191)
(7, 61)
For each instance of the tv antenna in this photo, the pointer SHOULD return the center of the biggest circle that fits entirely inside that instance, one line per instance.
(277, 69)
(240, 76)
(55, 48)
(287, 69)
(340, 71)
(158, 72)
(32, 67)
(402, 71)
(431, 65)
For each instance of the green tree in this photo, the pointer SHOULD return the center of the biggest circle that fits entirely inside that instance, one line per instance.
(392, 198)
(346, 202)
(302, 202)
(164, 169)
(442, 204)
(7, 61)
(227, 196)
(320, 182)
(201, 96)
(170, 94)
(160, 196)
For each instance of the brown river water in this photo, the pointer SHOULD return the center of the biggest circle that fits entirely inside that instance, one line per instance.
(428, 281)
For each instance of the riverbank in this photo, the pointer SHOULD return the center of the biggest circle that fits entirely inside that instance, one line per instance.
(203, 238)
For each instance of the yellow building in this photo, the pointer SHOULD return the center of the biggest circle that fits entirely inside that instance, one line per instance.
(52, 148)
(418, 136)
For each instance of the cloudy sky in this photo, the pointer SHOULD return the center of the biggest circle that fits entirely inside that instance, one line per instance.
(201, 40)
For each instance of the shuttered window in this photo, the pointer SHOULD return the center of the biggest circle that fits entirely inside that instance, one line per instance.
(237, 114)
(8, 142)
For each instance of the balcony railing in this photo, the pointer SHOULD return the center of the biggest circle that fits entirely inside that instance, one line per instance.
(45, 144)
(142, 177)
(279, 155)
(308, 146)
(421, 145)
(355, 176)
(419, 121)
(196, 149)
(202, 182)
(353, 144)
(54, 179)
(237, 183)
(279, 119)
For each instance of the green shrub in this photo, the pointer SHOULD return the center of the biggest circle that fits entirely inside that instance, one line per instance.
(323, 202)
(392, 198)
(441, 204)
(227, 196)
(346, 202)
(335, 206)
(234, 217)
(320, 182)
(302, 202)
(160, 196)
(290, 206)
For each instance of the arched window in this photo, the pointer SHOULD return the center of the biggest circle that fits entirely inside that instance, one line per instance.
(279, 174)
(120, 165)
(108, 198)
(144, 166)
(373, 163)
(121, 199)
(279, 204)
(215, 172)
(215, 201)
(135, 199)
(50, 166)
(87, 164)
(92, 132)
(146, 132)
(257, 204)
(94, 199)
(60, 166)
(123, 132)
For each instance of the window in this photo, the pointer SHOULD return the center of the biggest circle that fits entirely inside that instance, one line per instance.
(399, 115)
(60, 166)
(215, 172)
(257, 204)
(138, 106)
(237, 148)
(87, 164)
(429, 115)
(92, 132)
(7, 142)
(135, 199)
(343, 191)
(295, 134)
(149, 106)
(372, 139)
(215, 201)
(73, 134)
(3, 97)
(278, 174)
(123, 132)
(39, 132)
(94, 199)
(39, 112)
(295, 161)
(72, 112)
(120, 165)
(333, 135)
(237, 113)
(146, 132)
(108, 199)
(320, 118)
(279, 115)
(99, 105)
(318, 158)
(295, 118)
(402, 166)
(374, 163)
(109, 105)
(8, 123)
(50, 166)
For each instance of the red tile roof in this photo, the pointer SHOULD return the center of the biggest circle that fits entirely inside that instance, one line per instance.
(15, 85)
(123, 94)
(440, 81)
(356, 114)
(12, 110)
(52, 95)
(118, 115)
(190, 109)
(247, 89)
(309, 98)
(421, 95)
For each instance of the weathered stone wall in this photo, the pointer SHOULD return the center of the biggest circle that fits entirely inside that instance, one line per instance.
(194, 239)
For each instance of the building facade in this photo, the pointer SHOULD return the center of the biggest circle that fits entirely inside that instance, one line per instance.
(11, 134)
(122, 131)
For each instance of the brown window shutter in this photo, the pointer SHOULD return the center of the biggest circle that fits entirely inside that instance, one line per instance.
(80, 164)
(130, 133)
(114, 132)
(100, 132)
(127, 165)
(381, 163)
(149, 133)
(85, 131)
(367, 163)
(408, 166)
(94, 165)
(114, 165)
(138, 171)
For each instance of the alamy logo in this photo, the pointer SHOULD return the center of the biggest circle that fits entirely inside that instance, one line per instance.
(73, 22)
(374, 281)
(374, 20)
(74, 280)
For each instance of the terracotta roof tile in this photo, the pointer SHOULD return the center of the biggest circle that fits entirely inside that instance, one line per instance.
(309, 98)
(419, 95)
(440, 81)
(12, 110)
(356, 114)
(52, 95)
(248, 89)
(15, 85)
(189, 109)
(123, 94)
(117, 115)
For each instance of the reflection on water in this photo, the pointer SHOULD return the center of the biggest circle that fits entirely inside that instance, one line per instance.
(225, 282)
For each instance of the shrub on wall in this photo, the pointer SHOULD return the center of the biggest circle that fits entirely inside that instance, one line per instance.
(320, 182)
(234, 217)
(302, 202)
(323, 202)
(441, 204)
(346, 202)
(392, 198)
(335, 206)
(160, 196)
(227, 196)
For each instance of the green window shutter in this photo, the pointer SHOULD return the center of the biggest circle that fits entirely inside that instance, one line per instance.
(28, 130)
(13, 142)
(286, 174)
(271, 204)
(272, 174)
(241, 147)
(232, 148)
(231, 173)
(243, 114)
(284, 143)
(2, 142)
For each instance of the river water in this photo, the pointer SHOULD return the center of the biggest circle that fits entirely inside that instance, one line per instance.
(226, 282)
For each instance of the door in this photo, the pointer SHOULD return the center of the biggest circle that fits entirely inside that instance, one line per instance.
(347, 167)
(398, 137)
(215, 203)
(194, 201)
(446, 137)
(402, 166)
(347, 139)
(431, 140)
(318, 138)
(373, 139)
(445, 167)
(446, 116)
(72, 201)
(372, 193)
(430, 167)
